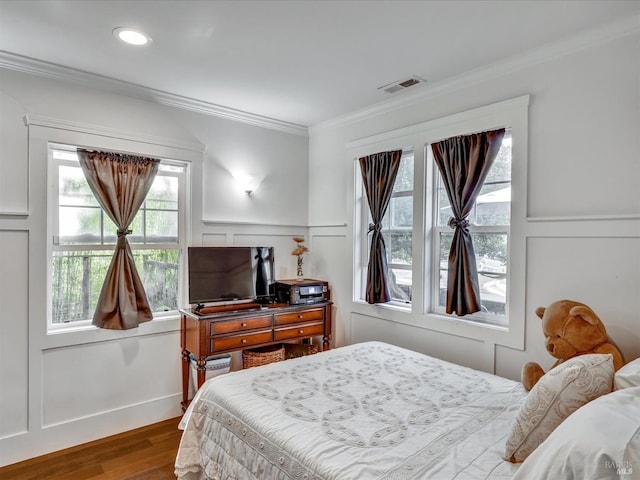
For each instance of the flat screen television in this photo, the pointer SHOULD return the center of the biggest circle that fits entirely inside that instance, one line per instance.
(230, 274)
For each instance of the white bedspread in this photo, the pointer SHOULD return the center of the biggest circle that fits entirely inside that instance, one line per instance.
(366, 411)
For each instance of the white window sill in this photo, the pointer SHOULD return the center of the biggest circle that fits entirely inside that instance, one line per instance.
(449, 324)
(84, 333)
(478, 319)
(470, 322)
(399, 306)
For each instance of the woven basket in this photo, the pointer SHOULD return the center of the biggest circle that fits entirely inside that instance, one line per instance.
(262, 356)
(293, 350)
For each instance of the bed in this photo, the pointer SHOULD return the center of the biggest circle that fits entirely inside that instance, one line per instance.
(377, 411)
(365, 411)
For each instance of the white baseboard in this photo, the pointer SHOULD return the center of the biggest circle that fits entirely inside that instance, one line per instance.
(38, 442)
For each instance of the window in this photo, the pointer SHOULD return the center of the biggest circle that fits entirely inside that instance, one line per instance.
(397, 230)
(84, 239)
(489, 223)
(418, 239)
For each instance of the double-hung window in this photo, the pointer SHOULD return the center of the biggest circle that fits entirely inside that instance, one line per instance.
(489, 223)
(397, 231)
(418, 239)
(84, 239)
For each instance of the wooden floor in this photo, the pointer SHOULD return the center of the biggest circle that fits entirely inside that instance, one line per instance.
(147, 453)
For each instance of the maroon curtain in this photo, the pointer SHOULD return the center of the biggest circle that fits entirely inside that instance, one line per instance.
(464, 163)
(120, 183)
(378, 175)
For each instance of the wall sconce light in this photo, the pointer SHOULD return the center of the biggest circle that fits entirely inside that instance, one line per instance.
(247, 182)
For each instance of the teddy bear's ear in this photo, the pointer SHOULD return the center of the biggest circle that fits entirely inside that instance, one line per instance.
(540, 311)
(585, 313)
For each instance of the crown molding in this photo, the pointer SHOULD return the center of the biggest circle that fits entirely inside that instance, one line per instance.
(590, 38)
(32, 66)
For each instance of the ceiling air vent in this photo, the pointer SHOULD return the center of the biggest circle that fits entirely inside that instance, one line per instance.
(401, 84)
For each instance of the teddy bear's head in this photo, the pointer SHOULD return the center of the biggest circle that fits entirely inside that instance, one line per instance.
(570, 328)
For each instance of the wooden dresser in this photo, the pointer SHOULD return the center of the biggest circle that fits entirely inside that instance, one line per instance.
(222, 329)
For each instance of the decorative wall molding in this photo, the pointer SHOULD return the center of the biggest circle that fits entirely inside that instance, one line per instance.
(587, 226)
(53, 71)
(585, 218)
(239, 223)
(89, 428)
(546, 53)
(581, 41)
(200, 106)
(14, 161)
(72, 126)
(210, 222)
(328, 225)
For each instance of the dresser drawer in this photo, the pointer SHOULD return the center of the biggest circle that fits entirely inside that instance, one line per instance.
(299, 331)
(296, 317)
(237, 342)
(230, 326)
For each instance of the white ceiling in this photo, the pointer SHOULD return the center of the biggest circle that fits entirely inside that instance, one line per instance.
(300, 62)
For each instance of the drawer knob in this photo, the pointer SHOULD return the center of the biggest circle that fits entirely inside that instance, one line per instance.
(243, 324)
(300, 316)
(244, 340)
(301, 331)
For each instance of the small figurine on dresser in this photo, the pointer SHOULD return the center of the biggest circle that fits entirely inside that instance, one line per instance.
(299, 252)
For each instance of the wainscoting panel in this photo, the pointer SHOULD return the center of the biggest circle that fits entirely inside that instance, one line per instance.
(282, 244)
(460, 350)
(213, 240)
(604, 273)
(260, 235)
(329, 254)
(93, 379)
(14, 334)
(14, 164)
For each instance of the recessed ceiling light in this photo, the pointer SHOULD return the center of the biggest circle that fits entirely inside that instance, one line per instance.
(131, 36)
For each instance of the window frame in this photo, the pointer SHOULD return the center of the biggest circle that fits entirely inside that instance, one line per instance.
(365, 217)
(437, 230)
(53, 166)
(512, 113)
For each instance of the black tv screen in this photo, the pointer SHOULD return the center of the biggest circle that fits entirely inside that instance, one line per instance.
(230, 274)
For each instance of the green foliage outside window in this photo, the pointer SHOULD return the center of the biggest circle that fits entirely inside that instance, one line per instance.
(78, 272)
(77, 278)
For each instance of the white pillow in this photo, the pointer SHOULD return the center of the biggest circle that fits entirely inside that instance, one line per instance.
(601, 440)
(560, 392)
(628, 376)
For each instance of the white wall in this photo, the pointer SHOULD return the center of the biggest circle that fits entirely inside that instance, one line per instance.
(582, 230)
(583, 202)
(68, 388)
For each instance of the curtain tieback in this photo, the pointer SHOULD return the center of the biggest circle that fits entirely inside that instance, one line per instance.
(122, 234)
(374, 227)
(458, 223)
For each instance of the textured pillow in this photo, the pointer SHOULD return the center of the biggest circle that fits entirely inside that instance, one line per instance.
(560, 392)
(628, 376)
(601, 440)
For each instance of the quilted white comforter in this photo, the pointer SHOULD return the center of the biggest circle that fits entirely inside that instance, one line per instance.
(366, 411)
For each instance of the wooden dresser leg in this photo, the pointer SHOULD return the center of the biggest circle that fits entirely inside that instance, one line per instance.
(185, 380)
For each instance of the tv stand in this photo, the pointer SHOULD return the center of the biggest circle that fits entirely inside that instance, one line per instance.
(207, 331)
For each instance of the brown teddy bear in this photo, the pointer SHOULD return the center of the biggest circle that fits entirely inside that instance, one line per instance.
(571, 329)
